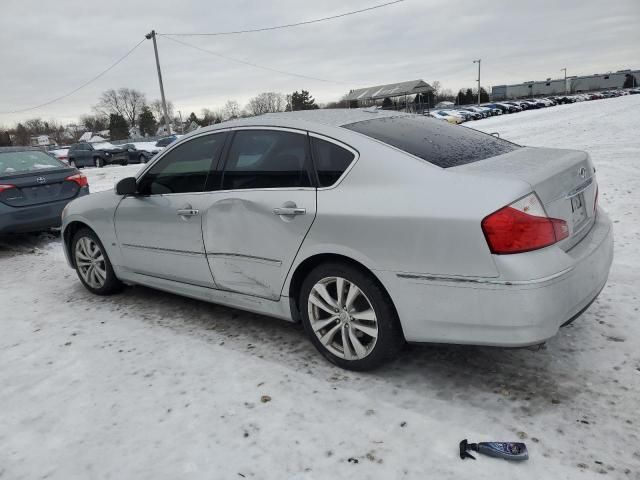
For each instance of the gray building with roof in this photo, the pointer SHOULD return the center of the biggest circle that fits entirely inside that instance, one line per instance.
(369, 95)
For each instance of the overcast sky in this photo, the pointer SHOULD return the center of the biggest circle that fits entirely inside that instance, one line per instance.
(49, 48)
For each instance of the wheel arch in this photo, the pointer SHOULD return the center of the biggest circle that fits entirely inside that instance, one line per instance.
(303, 268)
(67, 236)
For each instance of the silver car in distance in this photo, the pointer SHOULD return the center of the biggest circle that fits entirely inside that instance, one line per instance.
(371, 228)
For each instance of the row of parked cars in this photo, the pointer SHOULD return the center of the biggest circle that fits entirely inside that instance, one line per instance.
(465, 113)
(99, 154)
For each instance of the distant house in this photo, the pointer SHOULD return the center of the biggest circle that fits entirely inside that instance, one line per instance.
(41, 141)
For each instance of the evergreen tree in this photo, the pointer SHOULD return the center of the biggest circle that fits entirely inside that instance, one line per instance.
(387, 103)
(118, 127)
(147, 122)
(193, 118)
(22, 135)
(630, 81)
(469, 98)
(302, 101)
(484, 95)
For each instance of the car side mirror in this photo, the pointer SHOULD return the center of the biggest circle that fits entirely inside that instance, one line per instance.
(127, 186)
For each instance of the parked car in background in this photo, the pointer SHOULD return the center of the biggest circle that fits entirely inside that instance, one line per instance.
(134, 155)
(464, 115)
(61, 153)
(166, 141)
(447, 117)
(85, 154)
(34, 188)
(461, 237)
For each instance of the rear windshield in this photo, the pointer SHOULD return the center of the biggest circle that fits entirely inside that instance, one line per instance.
(26, 161)
(433, 140)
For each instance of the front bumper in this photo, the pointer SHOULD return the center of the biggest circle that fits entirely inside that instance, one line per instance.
(487, 311)
(35, 217)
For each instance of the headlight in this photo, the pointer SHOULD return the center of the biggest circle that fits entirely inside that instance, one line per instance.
(107, 154)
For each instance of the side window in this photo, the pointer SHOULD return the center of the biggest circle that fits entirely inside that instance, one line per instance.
(184, 169)
(267, 159)
(330, 161)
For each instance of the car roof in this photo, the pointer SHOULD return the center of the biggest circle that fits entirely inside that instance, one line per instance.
(337, 117)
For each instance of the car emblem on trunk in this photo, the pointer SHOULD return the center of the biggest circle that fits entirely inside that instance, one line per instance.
(41, 180)
(582, 172)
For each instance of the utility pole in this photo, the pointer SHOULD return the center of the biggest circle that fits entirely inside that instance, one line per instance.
(565, 79)
(181, 122)
(478, 62)
(152, 35)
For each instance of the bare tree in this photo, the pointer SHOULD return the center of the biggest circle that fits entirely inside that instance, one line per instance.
(231, 109)
(94, 123)
(126, 102)
(266, 102)
(156, 108)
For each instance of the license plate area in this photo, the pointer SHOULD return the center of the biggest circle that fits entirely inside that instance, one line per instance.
(578, 211)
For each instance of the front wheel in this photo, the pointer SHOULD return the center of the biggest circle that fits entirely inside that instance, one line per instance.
(349, 317)
(142, 159)
(99, 162)
(92, 263)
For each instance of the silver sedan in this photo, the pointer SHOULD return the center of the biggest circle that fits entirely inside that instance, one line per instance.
(371, 228)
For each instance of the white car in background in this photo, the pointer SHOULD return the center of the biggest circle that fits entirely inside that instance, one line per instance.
(443, 115)
(61, 154)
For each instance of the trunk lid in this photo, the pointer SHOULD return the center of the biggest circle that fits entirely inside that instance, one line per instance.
(33, 188)
(564, 181)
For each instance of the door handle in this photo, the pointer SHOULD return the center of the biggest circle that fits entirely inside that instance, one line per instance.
(188, 212)
(289, 211)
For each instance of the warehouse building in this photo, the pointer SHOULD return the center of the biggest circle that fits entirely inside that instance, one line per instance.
(576, 84)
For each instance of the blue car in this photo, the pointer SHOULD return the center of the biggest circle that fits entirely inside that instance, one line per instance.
(34, 188)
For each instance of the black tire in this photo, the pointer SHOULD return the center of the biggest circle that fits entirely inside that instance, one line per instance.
(390, 338)
(72, 163)
(98, 162)
(111, 284)
(142, 159)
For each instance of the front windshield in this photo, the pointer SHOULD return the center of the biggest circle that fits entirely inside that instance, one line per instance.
(26, 161)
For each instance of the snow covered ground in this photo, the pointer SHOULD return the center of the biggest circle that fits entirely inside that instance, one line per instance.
(151, 385)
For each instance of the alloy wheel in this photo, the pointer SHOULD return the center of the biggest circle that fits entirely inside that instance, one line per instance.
(90, 262)
(343, 318)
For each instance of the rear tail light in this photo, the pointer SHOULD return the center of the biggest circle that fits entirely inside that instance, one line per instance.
(4, 187)
(521, 227)
(79, 178)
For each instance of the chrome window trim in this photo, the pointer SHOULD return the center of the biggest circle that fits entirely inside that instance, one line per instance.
(356, 157)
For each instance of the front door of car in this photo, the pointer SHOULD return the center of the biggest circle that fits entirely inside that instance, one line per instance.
(261, 213)
(160, 229)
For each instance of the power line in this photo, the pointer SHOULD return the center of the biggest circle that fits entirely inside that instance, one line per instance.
(251, 64)
(88, 82)
(289, 25)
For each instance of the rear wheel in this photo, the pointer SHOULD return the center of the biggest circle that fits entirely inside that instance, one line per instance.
(349, 317)
(72, 163)
(92, 263)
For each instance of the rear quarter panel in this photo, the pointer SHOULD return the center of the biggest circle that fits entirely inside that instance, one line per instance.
(395, 212)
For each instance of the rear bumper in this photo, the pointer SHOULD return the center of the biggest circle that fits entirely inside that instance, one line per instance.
(35, 217)
(495, 311)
